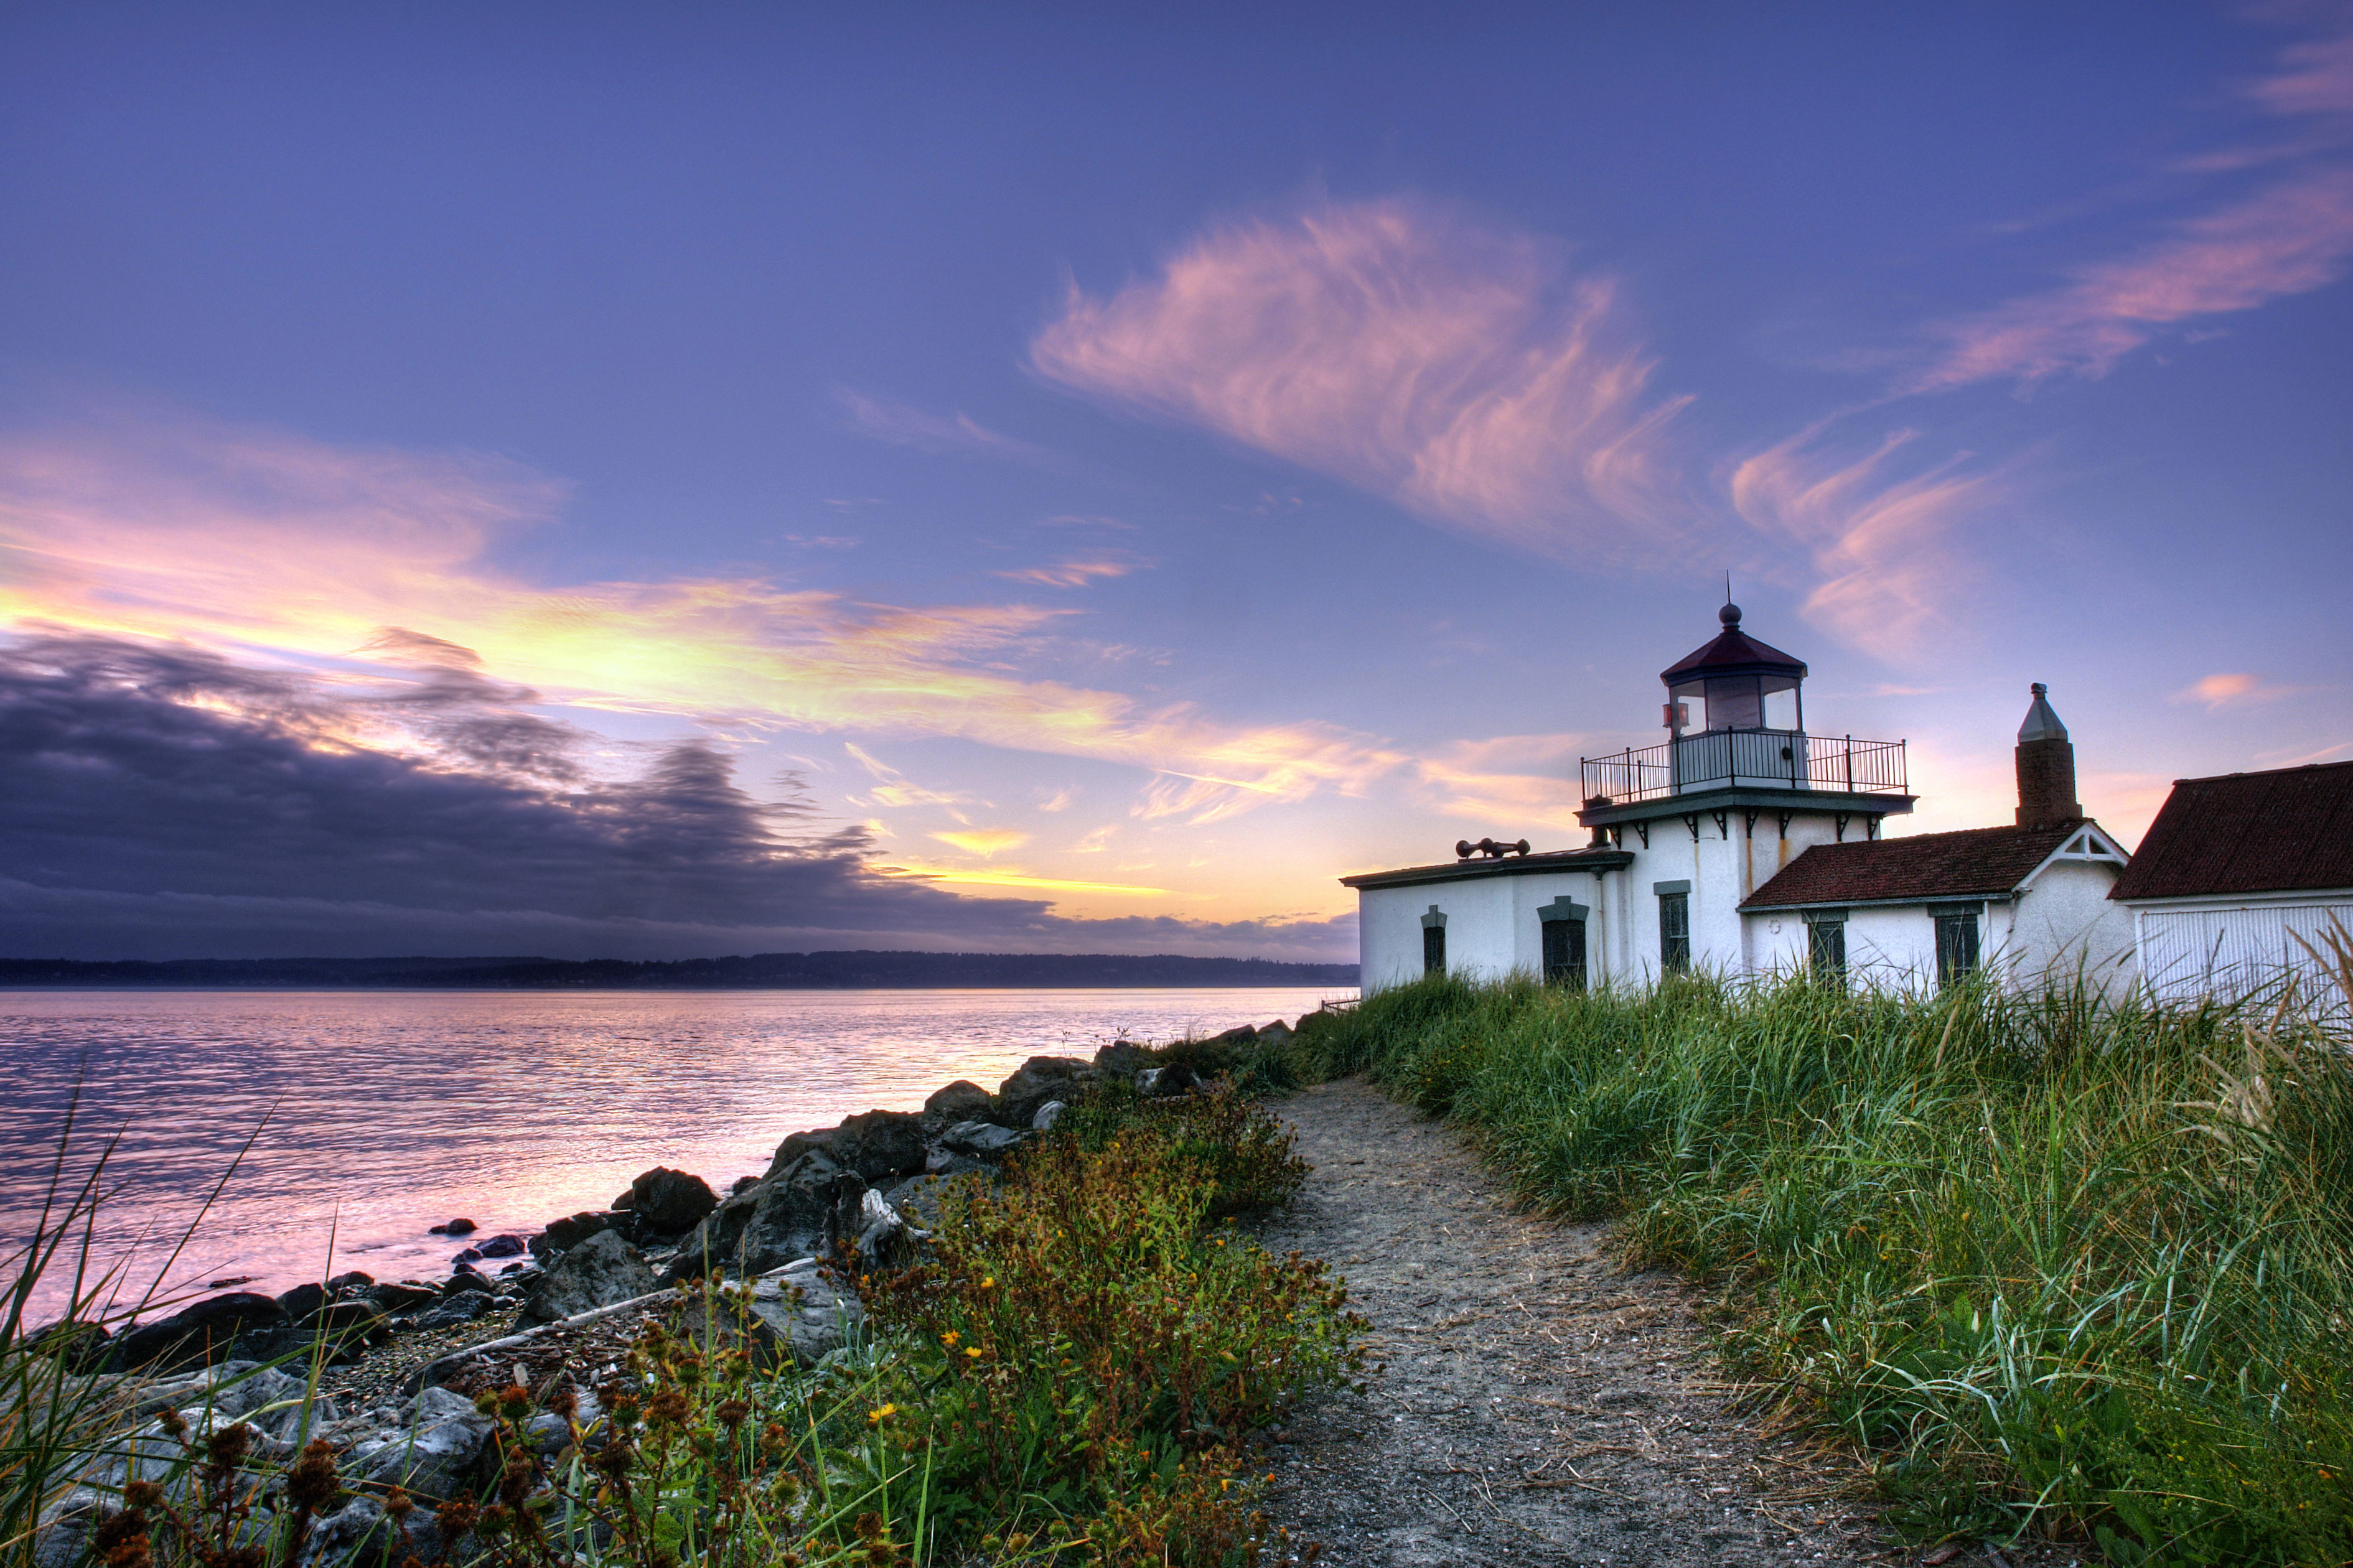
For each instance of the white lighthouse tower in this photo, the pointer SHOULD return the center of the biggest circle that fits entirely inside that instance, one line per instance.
(1682, 833)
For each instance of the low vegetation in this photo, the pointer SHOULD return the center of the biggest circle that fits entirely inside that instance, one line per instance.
(2052, 1265)
(1068, 1373)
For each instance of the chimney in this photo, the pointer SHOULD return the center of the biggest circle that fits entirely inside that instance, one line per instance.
(2046, 768)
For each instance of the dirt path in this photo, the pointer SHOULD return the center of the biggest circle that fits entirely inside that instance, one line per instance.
(1538, 1406)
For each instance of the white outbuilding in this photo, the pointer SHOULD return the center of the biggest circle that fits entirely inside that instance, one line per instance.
(2241, 881)
(1746, 844)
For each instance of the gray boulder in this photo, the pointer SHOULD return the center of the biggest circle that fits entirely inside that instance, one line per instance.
(1273, 1034)
(1036, 1081)
(962, 1100)
(464, 1307)
(980, 1140)
(767, 1225)
(238, 1326)
(270, 1401)
(598, 1272)
(347, 1327)
(669, 1203)
(1048, 1114)
(1158, 1083)
(357, 1533)
(944, 1162)
(879, 1145)
(441, 1451)
(561, 1236)
(303, 1301)
(1122, 1059)
(796, 1310)
(917, 1200)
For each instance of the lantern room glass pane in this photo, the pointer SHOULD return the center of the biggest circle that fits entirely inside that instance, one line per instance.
(1734, 702)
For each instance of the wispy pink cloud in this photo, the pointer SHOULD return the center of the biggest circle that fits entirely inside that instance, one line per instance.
(2231, 690)
(1879, 537)
(1069, 573)
(2290, 237)
(907, 425)
(1456, 369)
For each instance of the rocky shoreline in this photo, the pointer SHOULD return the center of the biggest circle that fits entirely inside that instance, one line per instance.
(402, 1361)
(862, 1188)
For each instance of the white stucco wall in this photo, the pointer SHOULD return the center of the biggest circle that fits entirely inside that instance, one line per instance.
(2063, 922)
(1491, 927)
(1724, 866)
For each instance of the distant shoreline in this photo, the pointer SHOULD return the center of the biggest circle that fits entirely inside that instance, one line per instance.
(847, 971)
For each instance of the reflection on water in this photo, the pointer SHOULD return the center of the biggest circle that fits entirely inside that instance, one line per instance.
(384, 1113)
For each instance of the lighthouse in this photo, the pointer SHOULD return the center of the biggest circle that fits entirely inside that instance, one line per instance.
(1744, 843)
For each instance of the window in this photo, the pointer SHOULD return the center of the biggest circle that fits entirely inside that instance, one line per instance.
(1956, 941)
(1674, 926)
(1433, 941)
(1826, 945)
(1564, 953)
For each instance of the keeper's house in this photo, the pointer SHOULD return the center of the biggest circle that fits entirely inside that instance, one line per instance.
(1746, 844)
(2234, 872)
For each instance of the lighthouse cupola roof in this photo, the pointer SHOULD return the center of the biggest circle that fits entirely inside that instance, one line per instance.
(1734, 652)
(1734, 683)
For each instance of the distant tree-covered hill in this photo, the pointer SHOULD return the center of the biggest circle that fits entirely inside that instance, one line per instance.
(765, 971)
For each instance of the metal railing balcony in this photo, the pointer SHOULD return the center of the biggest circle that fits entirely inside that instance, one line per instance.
(1747, 759)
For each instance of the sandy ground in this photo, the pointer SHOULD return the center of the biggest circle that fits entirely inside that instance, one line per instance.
(1538, 1405)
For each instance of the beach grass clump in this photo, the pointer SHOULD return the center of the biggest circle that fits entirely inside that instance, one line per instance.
(1067, 1370)
(2056, 1264)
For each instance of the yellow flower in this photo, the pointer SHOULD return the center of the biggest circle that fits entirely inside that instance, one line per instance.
(949, 1339)
(875, 1417)
(972, 1350)
(988, 1282)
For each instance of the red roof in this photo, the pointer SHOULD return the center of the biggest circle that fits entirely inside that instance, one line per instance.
(2248, 833)
(1976, 863)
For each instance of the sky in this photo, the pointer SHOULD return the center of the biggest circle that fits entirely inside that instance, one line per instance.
(658, 482)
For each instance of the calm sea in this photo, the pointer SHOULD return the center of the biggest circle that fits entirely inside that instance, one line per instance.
(373, 1115)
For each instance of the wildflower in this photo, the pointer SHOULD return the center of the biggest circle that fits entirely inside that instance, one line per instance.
(972, 1350)
(949, 1339)
(988, 1283)
(880, 1414)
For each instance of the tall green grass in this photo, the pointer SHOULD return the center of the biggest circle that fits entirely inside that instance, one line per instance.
(2057, 1265)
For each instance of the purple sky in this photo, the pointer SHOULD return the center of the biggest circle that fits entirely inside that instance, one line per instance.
(657, 481)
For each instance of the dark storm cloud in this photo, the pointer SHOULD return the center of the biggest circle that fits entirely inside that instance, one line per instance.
(163, 802)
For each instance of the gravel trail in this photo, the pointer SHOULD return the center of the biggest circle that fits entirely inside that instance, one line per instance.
(1538, 1406)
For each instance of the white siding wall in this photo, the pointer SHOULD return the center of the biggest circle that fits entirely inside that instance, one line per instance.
(2192, 948)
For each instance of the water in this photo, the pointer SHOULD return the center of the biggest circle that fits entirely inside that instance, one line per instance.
(381, 1113)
